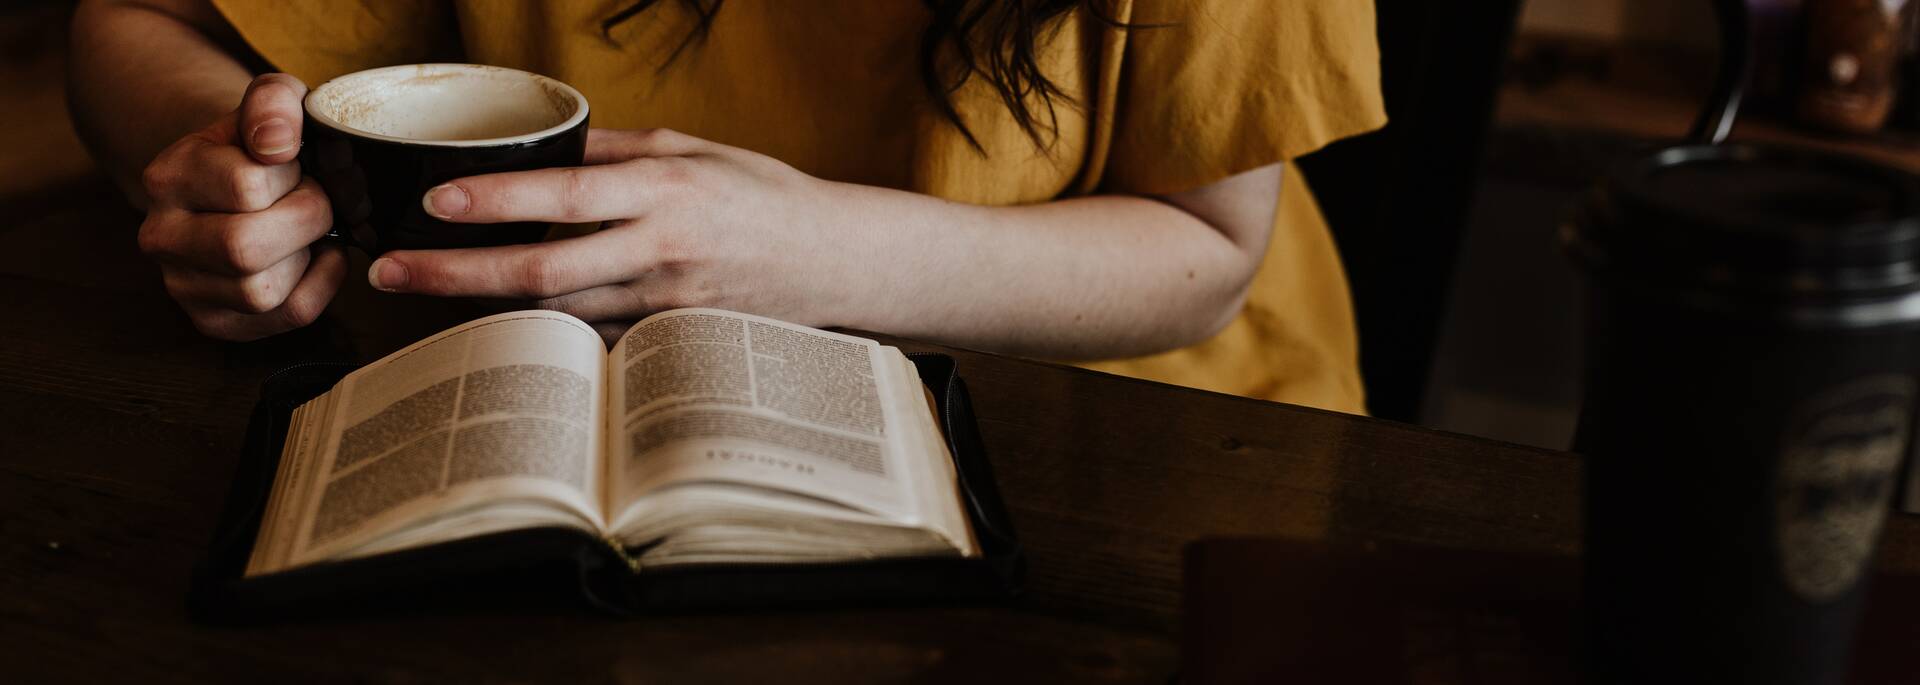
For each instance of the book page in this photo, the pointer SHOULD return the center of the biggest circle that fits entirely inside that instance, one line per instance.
(500, 410)
(936, 482)
(708, 395)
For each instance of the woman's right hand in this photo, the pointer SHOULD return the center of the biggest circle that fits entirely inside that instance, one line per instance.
(233, 223)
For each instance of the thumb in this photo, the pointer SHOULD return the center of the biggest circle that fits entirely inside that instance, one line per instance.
(270, 117)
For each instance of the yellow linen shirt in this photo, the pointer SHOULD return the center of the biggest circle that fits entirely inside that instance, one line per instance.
(1204, 89)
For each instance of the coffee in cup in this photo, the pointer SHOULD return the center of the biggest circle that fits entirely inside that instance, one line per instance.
(377, 140)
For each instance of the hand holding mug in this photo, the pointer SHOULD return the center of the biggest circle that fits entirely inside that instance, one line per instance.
(238, 209)
(233, 222)
(685, 222)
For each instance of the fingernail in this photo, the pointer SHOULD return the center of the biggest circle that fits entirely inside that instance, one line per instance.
(445, 201)
(272, 138)
(387, 275)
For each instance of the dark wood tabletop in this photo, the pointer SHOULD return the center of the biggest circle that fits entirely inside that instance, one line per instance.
(120, 428)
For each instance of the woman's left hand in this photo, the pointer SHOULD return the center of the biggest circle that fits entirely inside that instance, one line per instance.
(686, 223)
(691, 223)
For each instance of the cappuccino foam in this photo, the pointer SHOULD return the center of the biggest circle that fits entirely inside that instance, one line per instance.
(444, 102)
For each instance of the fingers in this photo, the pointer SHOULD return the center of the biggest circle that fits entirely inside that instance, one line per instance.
(563, 195)
(609, 145)
(233, 222)
(270, 116)
(626, 168)
(253, 294)
(199, 174)
(224, 178)
(239, 244)
(536, 271)
(310, 296)
(208, 171)
(307, 300)
(613, 302)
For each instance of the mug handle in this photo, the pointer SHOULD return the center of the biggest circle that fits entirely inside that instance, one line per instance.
(1730, 81)
(335, 236)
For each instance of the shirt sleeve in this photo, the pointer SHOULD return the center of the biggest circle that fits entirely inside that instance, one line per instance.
(317, 40)
(1212, 88)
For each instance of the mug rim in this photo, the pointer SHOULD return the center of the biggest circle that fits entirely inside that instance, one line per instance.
(579, 112)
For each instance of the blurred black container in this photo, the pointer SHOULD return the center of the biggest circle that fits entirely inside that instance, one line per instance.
(1750, 397)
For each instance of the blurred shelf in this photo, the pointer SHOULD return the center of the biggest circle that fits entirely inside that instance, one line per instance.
(1641, 98)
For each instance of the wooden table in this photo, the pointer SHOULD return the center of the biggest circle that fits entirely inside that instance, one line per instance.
(120, 427)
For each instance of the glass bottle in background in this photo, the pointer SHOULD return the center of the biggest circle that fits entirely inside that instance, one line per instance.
(1906, 102)
(1851, 70)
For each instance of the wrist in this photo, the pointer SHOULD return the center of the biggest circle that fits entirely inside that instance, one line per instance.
(837, 262)
(882, 253)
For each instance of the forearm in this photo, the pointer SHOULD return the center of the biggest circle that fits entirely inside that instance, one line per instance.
(153, 63)
(1092, 277)
(691, 223)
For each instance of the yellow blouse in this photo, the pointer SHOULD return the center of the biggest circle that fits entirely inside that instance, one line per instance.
(1212, 88)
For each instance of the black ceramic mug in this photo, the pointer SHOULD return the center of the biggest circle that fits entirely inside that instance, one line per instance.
(377, 140)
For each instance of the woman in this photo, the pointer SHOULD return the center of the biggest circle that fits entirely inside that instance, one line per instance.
(1060, 179)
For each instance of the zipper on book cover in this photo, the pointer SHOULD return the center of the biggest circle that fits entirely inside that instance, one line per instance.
(953, 443)
(632, 561)
(596, 588)
(284, 370)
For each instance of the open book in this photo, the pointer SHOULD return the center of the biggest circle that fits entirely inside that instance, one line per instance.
(703, 437)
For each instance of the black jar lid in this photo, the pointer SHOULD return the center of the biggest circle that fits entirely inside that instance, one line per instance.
(1756, 219)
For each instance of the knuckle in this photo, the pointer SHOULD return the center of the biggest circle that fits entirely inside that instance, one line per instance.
(672, 252)
(151, 236)
(540, 276)
(678, 172)
(248, 188)
(669, 136)
(157, 177)
(765, 164)
(651, 136)
(573, 195)
(173, 166)
(242, 248)
(312, 205)
(259, 294)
